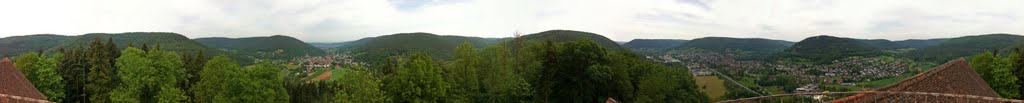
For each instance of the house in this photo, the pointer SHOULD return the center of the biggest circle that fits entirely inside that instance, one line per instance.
(15, 88)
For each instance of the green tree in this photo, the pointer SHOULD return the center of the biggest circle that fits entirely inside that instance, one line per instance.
(498, 78)
(359, 85)
(418, 80)
(258, 83)
(215, 74)
(151, 76)
(667, 85)
(101, 72)
(1004, 82)
(982, 65)
(575, 72)
(42, 72)
(73, 68)
(462, 74)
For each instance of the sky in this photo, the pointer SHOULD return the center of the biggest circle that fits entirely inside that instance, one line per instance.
(619, 20)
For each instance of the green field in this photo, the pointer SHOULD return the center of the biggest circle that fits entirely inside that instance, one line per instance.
(884, 82)
(712, 86)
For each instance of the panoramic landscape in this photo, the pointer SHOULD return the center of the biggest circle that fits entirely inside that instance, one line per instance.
(511, 51)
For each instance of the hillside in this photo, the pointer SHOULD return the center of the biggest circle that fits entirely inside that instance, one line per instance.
(883, 44)
(965, 46)
(921, 43)
(376, 49)
(327, 45)
(569, 35)
(653, 43)
(15, 45)
(272, 47)
(825, 48)
(748, 47)
(167, 41)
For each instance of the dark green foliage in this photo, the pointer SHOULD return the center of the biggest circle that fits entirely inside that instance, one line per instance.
(569, 35)
(193, 65)
(273, 47)
(101, 76)
(73, 68)
(751, 48)
(883, 44)
(965, 46)
(22, 44)
(653, 43)
(376, 50)
(168, 41)
(824, 49)
(921, 43)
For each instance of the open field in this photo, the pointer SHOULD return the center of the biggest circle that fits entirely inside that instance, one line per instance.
(712, 86)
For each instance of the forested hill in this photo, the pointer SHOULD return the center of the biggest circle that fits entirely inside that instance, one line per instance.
(15, 45)
(569, 35)
(376, 49)
(965, 46)
(756, 47)
(653, 43)
(883, 44)
(825, 48)
(167, 41)
(921, 43)
(275, 47)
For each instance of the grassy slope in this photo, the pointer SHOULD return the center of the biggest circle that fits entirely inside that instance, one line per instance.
(712, 86)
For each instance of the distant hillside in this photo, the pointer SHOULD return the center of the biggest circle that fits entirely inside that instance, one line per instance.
(653, 43)
(272, 47)
(749, 47)
(167, 41)
(569, 35)
(921, 43)
(883, 44)
(327, 45)
(376, 49)
(965, 46)
(15, 45)
(821, 49)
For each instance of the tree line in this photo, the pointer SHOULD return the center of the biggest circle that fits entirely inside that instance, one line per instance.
(1002, 71)
(515, 71)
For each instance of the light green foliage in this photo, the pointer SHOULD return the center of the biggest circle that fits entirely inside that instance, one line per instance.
(151, 76)
(42, 72)
(982, 65)
(498, 78)
(223, 81)
(998, 72)
(462, 74)
(359, 85)
(418, 80)
(258, 83)
(1004, 82)
(214, 75)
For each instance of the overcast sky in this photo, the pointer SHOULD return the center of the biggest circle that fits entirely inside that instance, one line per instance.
(620, 20)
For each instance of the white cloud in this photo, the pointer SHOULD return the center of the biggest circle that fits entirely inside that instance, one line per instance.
(343, 20)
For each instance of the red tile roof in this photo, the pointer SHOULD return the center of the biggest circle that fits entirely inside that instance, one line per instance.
(954, 77)
(14, 87)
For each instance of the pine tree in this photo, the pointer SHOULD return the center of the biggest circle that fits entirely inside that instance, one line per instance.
(73, 67)
(100, 80)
